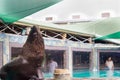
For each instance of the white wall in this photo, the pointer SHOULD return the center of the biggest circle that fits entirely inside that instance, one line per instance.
(88, 9)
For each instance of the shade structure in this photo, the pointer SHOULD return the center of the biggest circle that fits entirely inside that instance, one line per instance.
(115, 35)
(13, 10)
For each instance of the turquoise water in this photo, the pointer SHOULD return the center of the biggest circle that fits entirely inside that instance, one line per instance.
(91, 74)
(96, 74)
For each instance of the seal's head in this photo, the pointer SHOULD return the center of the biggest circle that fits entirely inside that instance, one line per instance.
(34, 49)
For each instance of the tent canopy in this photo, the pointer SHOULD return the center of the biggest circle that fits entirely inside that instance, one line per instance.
(13, 10)
(97, 28)
(105, 29)
(115, 35)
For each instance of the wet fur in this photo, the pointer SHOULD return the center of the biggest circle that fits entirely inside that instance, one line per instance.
(32, 56)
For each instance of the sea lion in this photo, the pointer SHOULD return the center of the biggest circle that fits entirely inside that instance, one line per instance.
(25, 66)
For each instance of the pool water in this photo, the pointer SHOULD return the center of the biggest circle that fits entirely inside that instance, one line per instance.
(96, 74)
(91, 74)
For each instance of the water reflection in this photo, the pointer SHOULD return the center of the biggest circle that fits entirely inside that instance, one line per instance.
(94, 74)
(109, 73)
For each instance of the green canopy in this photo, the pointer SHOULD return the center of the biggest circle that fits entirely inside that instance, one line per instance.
(115, 35)
(13, 10)
(97, 28)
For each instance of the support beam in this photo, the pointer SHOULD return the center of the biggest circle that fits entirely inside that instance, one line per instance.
(94, 65)
(6, 55)
(70, 60)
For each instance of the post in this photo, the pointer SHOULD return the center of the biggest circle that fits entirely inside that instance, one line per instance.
(6, 54)
(94, 66)
(70, 61)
